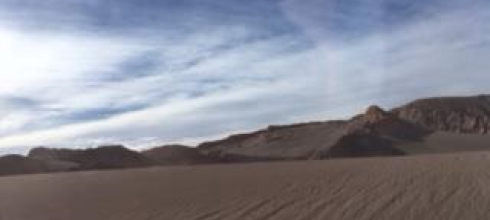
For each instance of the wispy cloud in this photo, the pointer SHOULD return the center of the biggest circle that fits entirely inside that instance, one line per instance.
(209, 68)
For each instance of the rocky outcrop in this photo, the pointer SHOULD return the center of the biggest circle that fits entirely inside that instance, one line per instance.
(52, 154)
(454, 114)
(105, 157)
(294, 142)
(370, 134)
(110, 157)
(362, 145)
(374, 114)
(376, 132)
(178, 155)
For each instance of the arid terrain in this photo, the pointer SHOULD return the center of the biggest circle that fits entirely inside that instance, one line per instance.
(244, 110)
(417, 187)
(425, 126)
(429, 160)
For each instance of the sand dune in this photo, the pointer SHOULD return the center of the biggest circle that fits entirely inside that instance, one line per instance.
(422, 187)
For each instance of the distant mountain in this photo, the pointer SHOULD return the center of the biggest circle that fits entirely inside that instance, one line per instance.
(292, 142)
(401, 131)
(370, 134)
(177, 155)
(375, 133)
(426, 126)
(105, 157)
(453, 114)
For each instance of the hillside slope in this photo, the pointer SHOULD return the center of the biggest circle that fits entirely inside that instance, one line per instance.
(370, 134)
(374, 133)
(426, 126)
(453, 114)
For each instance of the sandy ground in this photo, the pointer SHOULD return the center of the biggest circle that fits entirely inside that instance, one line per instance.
(423, 187)
(443, 142)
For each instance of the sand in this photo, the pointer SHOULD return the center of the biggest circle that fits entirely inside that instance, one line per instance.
(420, 187)
(444, 142)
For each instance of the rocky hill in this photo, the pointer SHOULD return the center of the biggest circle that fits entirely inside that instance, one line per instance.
(436, 125)
(453, 114)
(105, 157)
(375, 133)
(368, 134)
(177, 155)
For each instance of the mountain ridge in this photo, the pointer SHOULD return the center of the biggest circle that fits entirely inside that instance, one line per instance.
(374, 133)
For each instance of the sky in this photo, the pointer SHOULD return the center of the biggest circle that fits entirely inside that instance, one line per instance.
(82, 73)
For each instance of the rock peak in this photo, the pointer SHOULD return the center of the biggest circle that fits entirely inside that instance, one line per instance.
(375, 113)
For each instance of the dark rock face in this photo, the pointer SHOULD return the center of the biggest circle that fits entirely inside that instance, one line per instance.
(362, 145)
(374, 114)
(110, 157)
(374, 133)
(294, 142)
(458, 114)
(178, 155)
(388, 126)
(105, 157)
(370, 134)
(45, 160)
(43, 153)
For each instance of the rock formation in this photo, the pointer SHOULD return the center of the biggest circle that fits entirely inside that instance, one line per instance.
(374, 133)
(453, 114)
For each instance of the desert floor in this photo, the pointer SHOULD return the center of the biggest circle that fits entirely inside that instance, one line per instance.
(420, 187)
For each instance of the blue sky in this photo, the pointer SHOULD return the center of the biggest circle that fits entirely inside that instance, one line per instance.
(147, 72)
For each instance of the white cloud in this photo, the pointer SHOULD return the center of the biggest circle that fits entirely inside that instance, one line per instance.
(440, 53)
(46, 67)
(35, 60)
(209, 85)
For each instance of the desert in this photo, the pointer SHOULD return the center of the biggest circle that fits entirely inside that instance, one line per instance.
(244, 110)
(454, 186)
(428, 159)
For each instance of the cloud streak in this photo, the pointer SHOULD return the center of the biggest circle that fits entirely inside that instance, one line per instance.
(209, 77)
